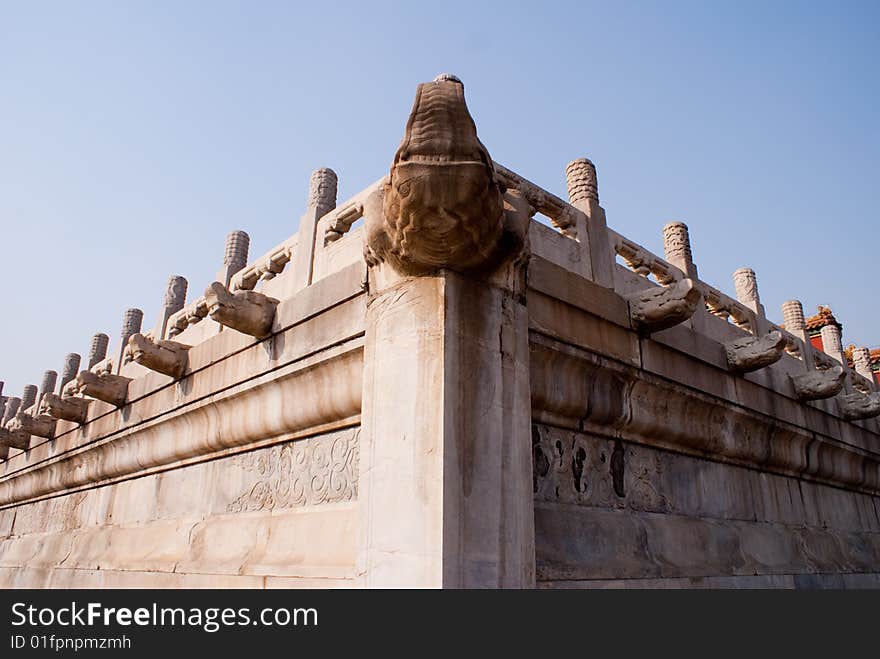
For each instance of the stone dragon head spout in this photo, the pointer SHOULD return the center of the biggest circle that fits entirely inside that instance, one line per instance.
(443, 206)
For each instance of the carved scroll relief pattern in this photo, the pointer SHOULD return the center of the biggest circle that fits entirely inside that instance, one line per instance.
(307, 472)
(574, 468)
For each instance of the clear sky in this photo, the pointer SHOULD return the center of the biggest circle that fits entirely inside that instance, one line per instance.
(135, 135)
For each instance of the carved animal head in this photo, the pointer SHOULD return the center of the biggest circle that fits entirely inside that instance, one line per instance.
(443, 205)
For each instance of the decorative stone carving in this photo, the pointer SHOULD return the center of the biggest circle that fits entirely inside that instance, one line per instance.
(793, 316)
(175, 294)
(48, 383)
(235, 256)
(13, 404)
(580, 176)
(236, 253)
(307, 472)
(69, 409)
(442, 206)
(677, 248)
(167, 357)
(71, 368)
(248, 312)
(131, 323)
(746, 284)
(105, 386)
(41, 426)
(14, 438)
(322, 191)
(98, 349)
(28, 397)
(662, 307)
(751, 353)
(859, 406)
(819, 384)
(862, 363)
(831, 341)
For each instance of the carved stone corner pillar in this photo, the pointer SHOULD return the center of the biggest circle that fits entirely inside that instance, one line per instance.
(445, 466)
(248, 312)
(166, 357)
(662, 307)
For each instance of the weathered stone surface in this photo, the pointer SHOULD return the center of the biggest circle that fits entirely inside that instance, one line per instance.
(753, 352)
(98, 349)
(41, 426)
(816, 385)
(167, 357)
(68, 408)
(662, 307)
(248, 312)
(105, 386)
(71, 368)
(443, 206)
(859, 406)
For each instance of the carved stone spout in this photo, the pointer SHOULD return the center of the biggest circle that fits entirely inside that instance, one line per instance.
(859, 406)
(442, 206)
(167, 357)
(753, 352)
(14, 439)
(41, 426)
(69, 409)
(819, 384)
(106, 387)
(248, 312)
(661, 308)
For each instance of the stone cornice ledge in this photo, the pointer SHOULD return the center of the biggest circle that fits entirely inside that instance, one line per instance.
(578, 390)
(310, 395)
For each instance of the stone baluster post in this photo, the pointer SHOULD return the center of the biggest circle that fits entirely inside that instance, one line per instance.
(47, 386)
(832, 342)
(746, 284)
(862, 364)
(592, 232)
(70, 370)
(322, 200)
(235, 255)
(796, 325)
(677, 248)
(13, 405)
(175, 298)
(98, 349)
(131, 324)
(28, 397)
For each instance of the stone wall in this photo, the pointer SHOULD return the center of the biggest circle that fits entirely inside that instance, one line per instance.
(284, 515)
(612, 513)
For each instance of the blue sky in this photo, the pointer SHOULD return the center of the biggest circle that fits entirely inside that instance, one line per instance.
(135, 135)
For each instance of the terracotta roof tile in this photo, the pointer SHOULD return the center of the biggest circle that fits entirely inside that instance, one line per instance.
(821, 319)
